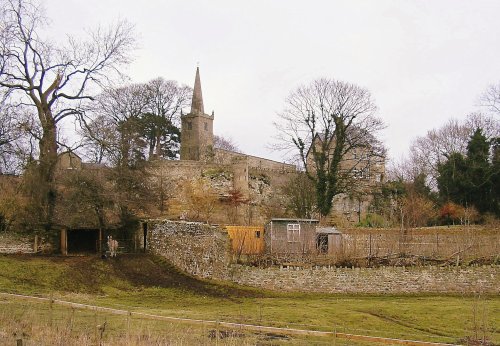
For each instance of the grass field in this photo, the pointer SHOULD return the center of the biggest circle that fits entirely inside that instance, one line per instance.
(148, 284)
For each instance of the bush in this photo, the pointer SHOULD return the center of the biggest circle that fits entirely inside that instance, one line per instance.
(373, 220)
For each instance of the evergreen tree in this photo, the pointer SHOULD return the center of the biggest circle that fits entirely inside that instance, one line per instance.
(479, 173)
(472, 180)
(452, 179)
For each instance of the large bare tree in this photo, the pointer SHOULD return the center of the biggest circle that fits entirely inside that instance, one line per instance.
(140, 119)
(54, 79)
(166, 99)
(121, 109)
(322, 122)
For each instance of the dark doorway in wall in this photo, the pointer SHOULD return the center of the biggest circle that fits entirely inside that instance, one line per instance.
(145, 233)
(322, 243)
(83, 240)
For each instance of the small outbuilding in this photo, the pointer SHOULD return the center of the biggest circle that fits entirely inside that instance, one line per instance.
(328, 240)
(290, 236)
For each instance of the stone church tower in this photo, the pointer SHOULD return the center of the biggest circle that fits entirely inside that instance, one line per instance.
(197, 136)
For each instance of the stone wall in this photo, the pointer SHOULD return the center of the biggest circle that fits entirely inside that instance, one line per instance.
(193, 247)
(13, 243)
(10, 243)
(227, 157)
(204, 251)
(390, 280)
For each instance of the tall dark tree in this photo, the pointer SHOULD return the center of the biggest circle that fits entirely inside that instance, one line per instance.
(452, 179)
(480, 173)
(471, 180)
(496, 173)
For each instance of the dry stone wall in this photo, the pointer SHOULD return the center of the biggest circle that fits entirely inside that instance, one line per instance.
(204, 251)
(11, 244)
(390, 280)
(198, 249)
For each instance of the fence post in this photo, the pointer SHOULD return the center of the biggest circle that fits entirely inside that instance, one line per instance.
(128, 327)
(96, 327)
(334, 335)
(51, 301)
(370, 254)
(35, 245)
(437, 244)
(217, 332)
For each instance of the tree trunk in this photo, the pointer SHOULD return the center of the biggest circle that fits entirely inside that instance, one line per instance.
(46, 190)
(157, 153)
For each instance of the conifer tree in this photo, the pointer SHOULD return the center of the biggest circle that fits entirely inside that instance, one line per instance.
(472, 180)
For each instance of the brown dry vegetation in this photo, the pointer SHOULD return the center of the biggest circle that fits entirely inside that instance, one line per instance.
(361, 247)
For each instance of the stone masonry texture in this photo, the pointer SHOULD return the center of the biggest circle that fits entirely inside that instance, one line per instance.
(193, 247)
(202, 250)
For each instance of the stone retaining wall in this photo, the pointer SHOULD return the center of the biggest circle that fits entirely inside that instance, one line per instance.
(193, 247)
(393, 280)
(203, 251)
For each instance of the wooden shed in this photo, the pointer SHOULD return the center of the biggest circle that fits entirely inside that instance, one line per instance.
(290, 236)
(246, 240)
(328, 240)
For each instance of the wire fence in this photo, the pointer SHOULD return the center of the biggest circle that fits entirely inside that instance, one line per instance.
(410, 247)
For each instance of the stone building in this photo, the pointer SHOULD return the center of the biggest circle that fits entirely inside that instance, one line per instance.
(197, 132)
(363, 171)
(198, 153)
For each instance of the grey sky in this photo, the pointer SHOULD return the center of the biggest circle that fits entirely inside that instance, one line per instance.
(424, 61)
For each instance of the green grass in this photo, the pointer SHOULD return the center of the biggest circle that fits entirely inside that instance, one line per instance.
(148, 284)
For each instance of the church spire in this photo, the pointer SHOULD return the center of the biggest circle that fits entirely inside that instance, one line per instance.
(197, 102)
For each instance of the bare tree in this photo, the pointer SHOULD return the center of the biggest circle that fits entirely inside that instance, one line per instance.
(322, 122)
(117, 126)
(100, 138)
(200, 198)
(9, 132)
(147, 114)
(54, 80)
(490, 99)
(427, 152)
(226, 143)
(226, 150)
(166, 99)
(300, 193)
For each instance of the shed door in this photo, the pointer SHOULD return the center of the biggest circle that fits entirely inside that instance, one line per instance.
(322, 243)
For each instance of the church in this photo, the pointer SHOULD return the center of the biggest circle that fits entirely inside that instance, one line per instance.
(197, 151)
(257, 181)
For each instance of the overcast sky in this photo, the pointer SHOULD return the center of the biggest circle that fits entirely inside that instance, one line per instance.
(423, 61)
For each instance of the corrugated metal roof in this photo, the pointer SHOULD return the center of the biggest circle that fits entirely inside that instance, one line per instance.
(328, 230)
